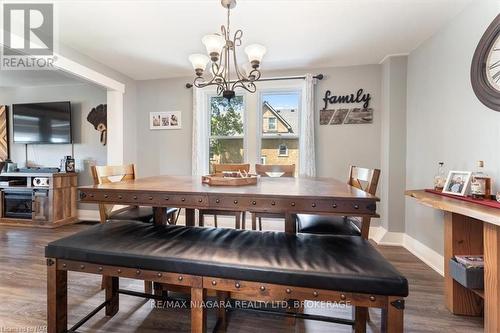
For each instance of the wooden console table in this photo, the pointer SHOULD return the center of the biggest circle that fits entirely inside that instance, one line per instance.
(51, 206)
(469, 228)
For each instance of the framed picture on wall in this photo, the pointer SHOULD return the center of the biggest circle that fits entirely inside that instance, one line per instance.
(165, 120)
(457, 182)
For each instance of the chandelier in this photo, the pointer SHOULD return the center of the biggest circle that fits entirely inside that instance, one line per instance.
(222, 51)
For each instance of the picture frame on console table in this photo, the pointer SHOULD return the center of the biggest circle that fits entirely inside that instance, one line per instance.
(457, 182)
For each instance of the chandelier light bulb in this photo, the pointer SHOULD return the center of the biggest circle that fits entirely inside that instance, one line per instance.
(214, 44)
(199, 62)
(255, 53)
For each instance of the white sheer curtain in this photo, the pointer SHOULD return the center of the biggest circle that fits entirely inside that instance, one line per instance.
(307, 163)
(200, 133)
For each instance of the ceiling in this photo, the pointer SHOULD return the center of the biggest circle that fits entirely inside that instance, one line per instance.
(152, 39)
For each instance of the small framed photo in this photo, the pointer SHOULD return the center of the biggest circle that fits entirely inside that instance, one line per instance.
(165, 120)
(457, 182)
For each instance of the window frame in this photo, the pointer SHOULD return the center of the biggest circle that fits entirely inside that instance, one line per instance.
(238, 137)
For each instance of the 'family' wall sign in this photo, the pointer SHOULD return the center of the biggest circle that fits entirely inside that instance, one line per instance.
(362, 114)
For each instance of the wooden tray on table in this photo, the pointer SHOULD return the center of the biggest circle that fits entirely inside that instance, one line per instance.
(219, 179)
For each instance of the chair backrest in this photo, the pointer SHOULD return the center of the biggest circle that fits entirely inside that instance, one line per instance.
(219, 168)
(364, 179)
(111, 174)
(288, 169)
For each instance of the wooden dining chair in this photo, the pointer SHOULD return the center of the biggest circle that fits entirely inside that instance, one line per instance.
(361, 178)
(116, 173)
(238, 215)
(267, 170)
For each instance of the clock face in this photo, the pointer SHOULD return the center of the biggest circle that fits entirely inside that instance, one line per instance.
(493, 65)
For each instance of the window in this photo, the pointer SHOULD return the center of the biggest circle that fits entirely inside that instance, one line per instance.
(283, 150)
(227, 130)
(271, 124)
(279, 141)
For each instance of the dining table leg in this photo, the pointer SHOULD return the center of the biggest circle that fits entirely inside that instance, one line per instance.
(160, 215)
(190, 220)
(290, 223)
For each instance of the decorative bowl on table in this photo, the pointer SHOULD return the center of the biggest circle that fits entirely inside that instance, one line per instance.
(274, 174)
(235, 179)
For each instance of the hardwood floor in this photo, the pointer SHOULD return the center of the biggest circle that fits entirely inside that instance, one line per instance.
(23, 295)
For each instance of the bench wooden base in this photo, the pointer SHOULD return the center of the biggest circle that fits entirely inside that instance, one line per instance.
(392, 306)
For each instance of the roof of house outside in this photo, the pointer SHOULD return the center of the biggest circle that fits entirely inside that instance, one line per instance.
(288, 117)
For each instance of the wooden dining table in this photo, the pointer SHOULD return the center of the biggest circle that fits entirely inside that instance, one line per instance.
(287, 196)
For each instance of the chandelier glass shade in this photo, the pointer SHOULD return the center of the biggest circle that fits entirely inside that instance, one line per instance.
(222, 61)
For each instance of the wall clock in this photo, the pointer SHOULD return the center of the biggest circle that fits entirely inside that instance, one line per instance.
(485, 69)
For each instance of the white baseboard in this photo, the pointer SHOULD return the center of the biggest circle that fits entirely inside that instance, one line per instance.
(430, 257)
(88, 215)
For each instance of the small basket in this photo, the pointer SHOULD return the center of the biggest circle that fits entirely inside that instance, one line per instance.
(219, 180)
(468, 277)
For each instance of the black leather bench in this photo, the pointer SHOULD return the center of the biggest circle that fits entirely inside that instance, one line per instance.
(265, 265)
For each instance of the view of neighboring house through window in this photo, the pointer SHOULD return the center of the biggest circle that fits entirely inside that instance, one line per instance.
(227, 130)
(280, 128)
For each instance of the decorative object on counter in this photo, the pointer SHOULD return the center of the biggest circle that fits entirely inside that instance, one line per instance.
(9, 166)
(457, 182)
(439, 178)
(485, 68)
(69, 164)
(98, 117)
(480, 187)
(487, 203)
(165, 120)
(230, 179)
(4, 133)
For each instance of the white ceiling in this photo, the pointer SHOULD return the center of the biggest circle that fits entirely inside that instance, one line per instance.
(152, 39)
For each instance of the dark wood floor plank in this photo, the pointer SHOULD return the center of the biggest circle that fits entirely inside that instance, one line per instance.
(23, 297)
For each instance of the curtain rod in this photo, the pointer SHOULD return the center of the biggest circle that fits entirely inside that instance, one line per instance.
(319, 77)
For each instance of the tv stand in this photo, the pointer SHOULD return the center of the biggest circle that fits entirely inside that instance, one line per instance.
(38, 199)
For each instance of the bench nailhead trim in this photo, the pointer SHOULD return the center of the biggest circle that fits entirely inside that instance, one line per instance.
(82, 266)
(334, 205)
(217, 201)
(293, 204)
(254, 203)
(356, 206)
(342, 297)
(235, 202)
(100, 269)
(313, 205)
(64, 265)
(262, 288)
(288, 290)
(119, 271)
(372, 298)
(214, 283)
(159, 274)
(138, 272)
(180, 278)
(273, 203)
(315, 294)
(237, 285)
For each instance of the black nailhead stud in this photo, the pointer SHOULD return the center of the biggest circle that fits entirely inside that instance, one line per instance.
(82, 266)
(342, 297)
(180, 278)
(214, 283)
(262, 288)
(288, 290)
(315, 294)
(100, 269)
(138, 272)
(237, 285)
(160, 275)
(372, 298)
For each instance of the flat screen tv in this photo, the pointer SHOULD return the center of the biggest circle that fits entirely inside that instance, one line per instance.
(42, 123)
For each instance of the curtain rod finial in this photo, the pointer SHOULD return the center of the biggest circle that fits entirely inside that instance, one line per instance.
(319, 77)
(189, 85)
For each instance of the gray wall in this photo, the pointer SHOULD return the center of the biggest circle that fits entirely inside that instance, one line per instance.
(446, 122)
(87, 147)
(393, 143)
